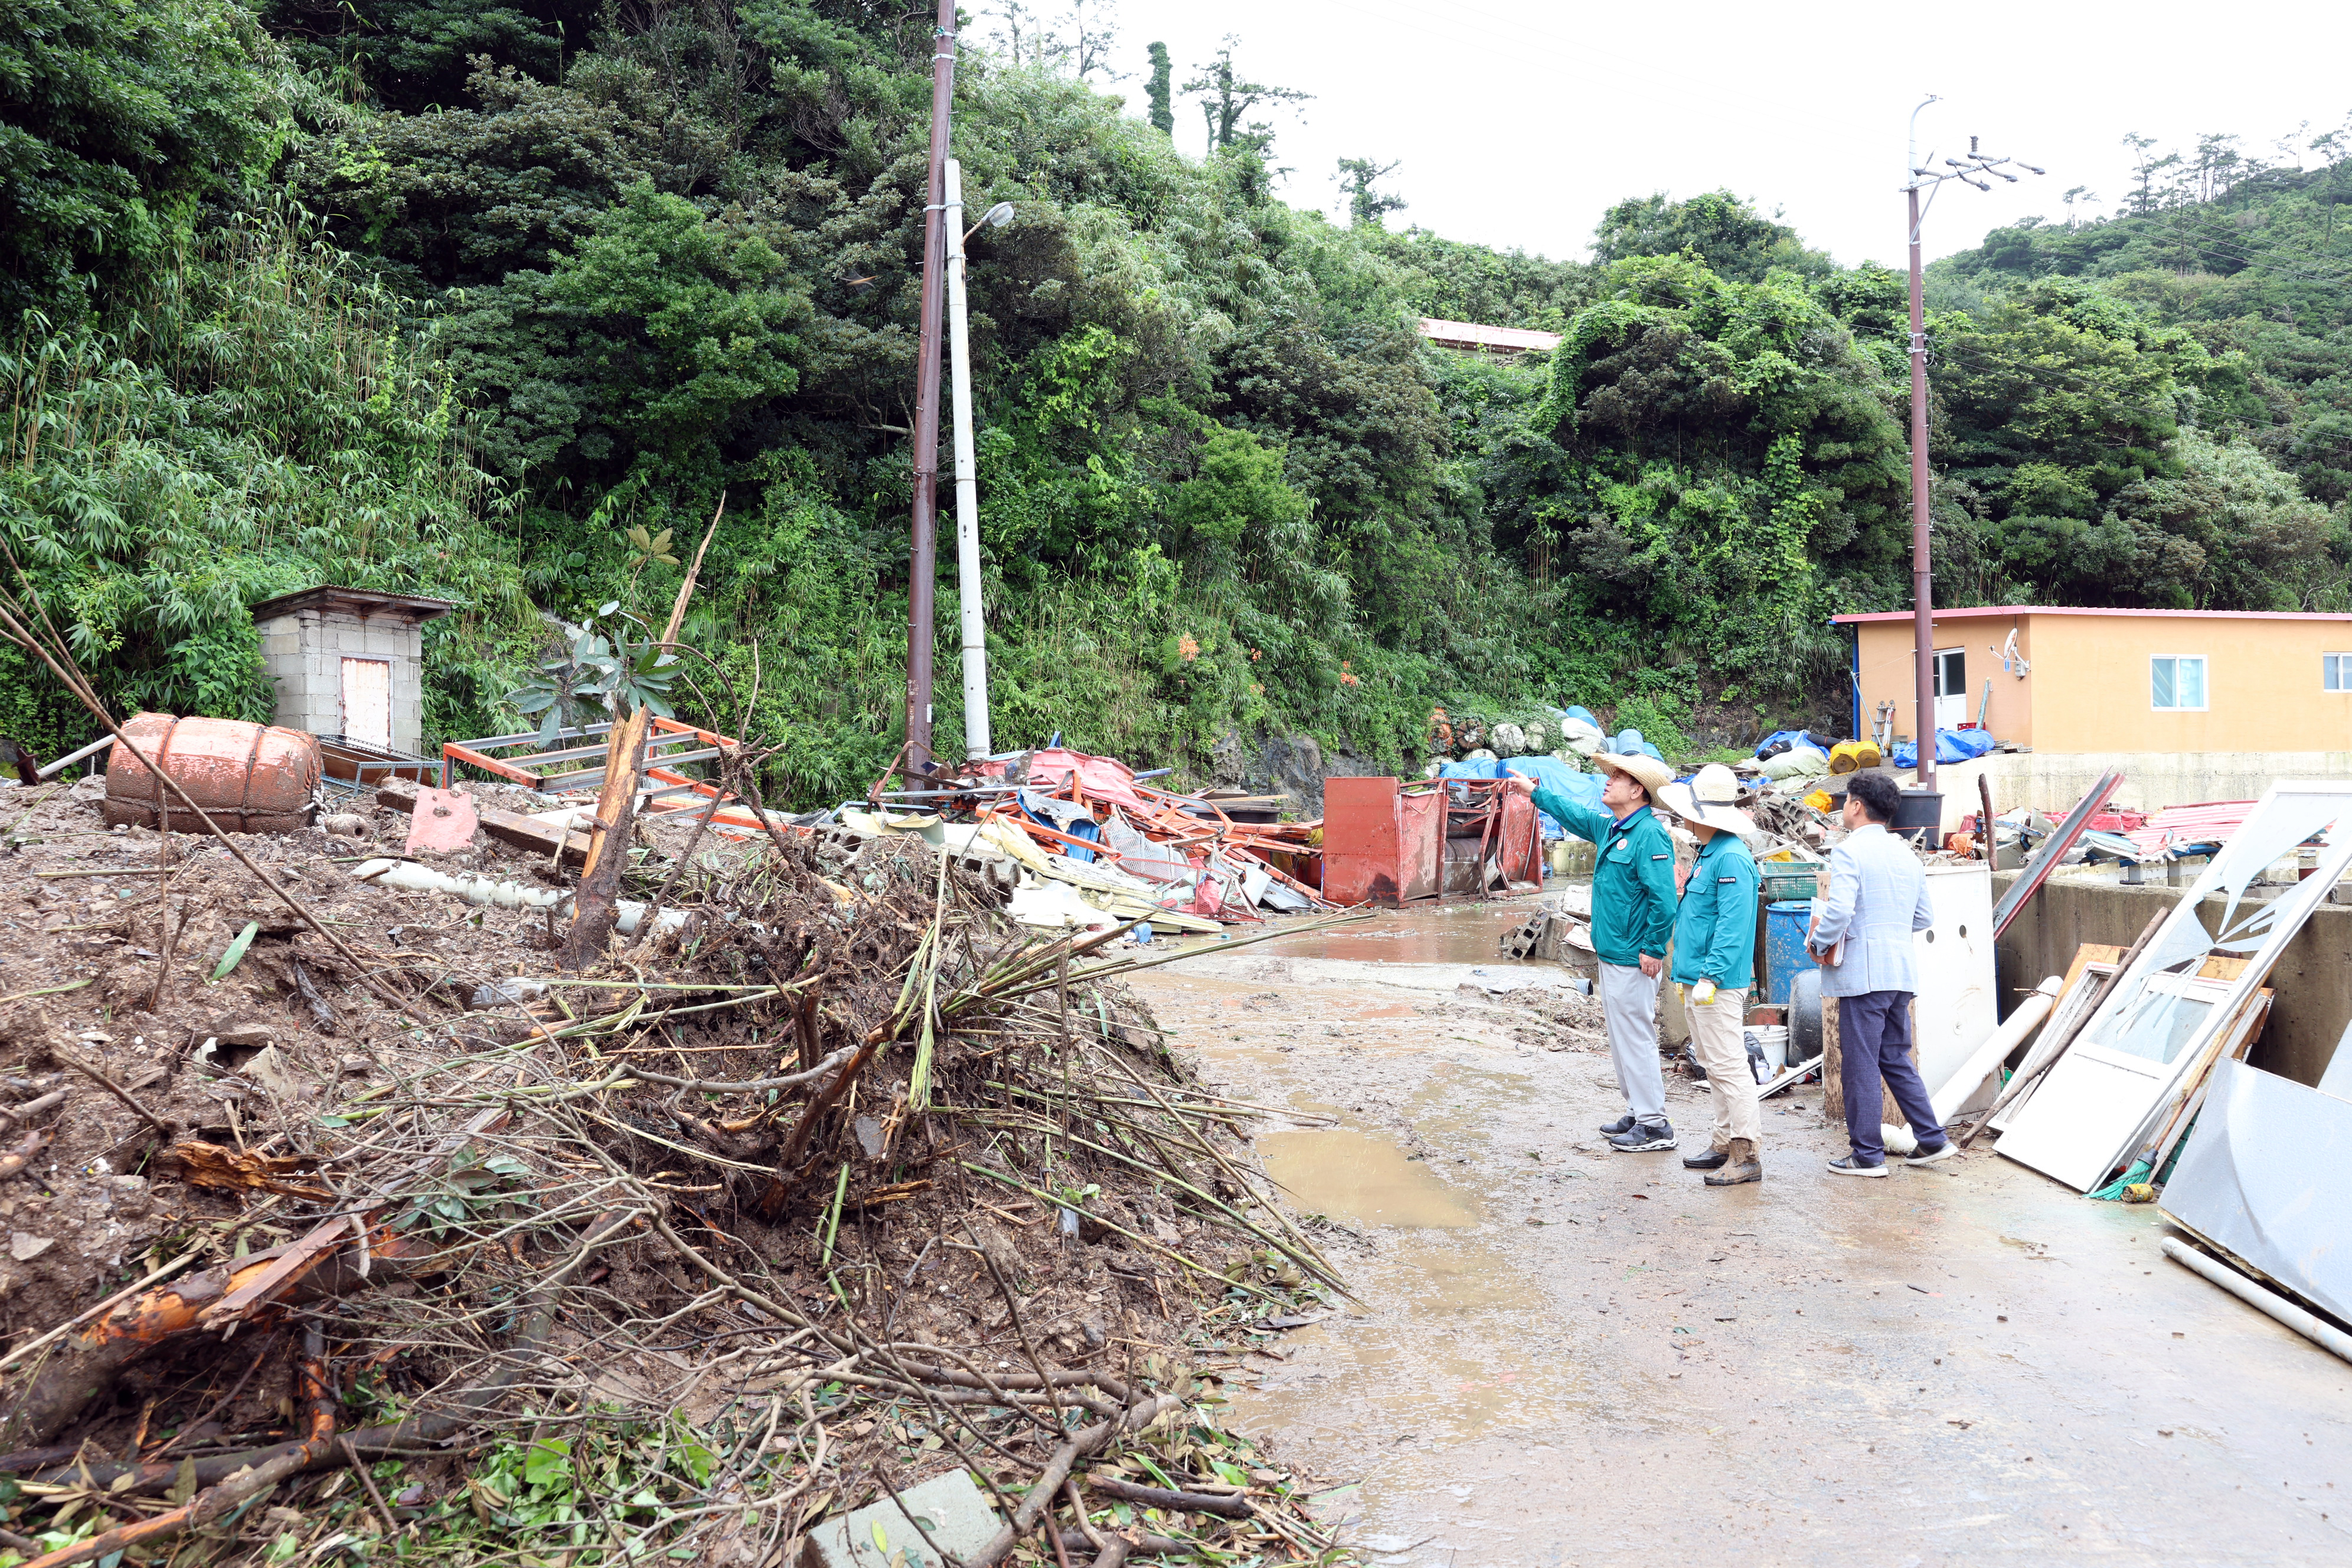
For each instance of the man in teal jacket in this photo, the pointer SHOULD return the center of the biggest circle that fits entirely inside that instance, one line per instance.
(1715, 951)
(1633, 900)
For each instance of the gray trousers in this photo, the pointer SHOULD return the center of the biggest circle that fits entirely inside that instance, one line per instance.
(1629, 1001)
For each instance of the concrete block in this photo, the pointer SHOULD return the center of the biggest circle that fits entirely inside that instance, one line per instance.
(952, 1508)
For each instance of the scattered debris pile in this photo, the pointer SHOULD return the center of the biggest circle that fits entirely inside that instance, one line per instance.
(336, 1215)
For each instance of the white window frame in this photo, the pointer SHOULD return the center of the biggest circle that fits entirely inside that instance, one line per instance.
(2204, 681)
(2336, 676)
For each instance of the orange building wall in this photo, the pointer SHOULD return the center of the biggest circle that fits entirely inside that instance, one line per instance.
(1886, 672)
(2089, 689)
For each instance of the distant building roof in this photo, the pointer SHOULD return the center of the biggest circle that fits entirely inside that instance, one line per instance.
(357, 601)
(1470, 335)
(1990, 611)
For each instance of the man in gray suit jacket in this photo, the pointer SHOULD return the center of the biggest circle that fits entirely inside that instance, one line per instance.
(1877, 898)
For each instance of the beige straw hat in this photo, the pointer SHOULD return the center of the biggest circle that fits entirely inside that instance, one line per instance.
(1708, 798)
(1648, 771)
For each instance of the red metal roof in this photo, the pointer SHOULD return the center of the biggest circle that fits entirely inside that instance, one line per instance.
(2210, 823)
(1470, 335)
(2009, 610)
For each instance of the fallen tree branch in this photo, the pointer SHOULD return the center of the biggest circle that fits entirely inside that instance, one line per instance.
(1057, 1469)
(252, 1481)
(1233, 1507)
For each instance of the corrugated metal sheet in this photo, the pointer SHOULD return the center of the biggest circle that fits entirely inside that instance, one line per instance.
(2176, 826)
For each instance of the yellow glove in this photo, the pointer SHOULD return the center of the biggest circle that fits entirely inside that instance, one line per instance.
(1703, 994)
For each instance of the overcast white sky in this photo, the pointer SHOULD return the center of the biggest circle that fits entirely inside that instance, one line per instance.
(1518, 124)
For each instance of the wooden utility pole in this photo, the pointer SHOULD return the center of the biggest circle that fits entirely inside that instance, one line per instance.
(922, 557)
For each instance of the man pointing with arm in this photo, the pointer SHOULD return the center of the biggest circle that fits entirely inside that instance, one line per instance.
(1633, 899)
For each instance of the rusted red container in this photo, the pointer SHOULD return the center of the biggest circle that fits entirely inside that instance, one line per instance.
(249, 778)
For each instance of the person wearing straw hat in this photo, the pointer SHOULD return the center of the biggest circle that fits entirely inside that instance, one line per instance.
(1633, 898)
(1714, 952)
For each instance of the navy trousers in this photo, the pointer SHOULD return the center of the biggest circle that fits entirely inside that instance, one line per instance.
(1874, 1043)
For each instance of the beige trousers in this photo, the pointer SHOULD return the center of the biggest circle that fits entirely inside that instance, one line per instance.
(1718, 1040)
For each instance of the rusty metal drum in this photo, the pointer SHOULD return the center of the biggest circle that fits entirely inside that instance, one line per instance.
(248, 778)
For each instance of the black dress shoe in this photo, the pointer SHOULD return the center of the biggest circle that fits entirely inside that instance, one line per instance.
(1705, 1160)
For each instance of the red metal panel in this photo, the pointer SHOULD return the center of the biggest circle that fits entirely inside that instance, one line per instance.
(1359, 839)
(1522, 853)
(1421, 844)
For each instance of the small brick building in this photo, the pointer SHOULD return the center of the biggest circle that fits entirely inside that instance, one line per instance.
(350, 662)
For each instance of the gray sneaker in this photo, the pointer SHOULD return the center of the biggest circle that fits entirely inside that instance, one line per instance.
(1943, 1151)
(1643, 1137)
(1622, 1125)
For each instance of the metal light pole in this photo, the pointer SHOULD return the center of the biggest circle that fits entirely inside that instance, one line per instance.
(1923, 588)
(967, 480)
(922, 556)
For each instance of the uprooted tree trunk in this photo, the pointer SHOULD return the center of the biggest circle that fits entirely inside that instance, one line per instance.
(597, 905)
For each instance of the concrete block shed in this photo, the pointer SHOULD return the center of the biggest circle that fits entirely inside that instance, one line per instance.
(350, 662)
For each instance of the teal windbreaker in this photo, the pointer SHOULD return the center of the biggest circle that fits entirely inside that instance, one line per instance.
(1632, 878)
(1715, 929)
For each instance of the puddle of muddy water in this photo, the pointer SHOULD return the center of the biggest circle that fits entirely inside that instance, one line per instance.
(1363, 1180)
(1446, 933)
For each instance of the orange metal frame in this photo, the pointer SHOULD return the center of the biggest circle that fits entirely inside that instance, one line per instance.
(732, 814)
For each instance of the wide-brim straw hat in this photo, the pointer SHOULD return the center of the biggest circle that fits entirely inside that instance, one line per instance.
(1707, 798)
(1648, 771)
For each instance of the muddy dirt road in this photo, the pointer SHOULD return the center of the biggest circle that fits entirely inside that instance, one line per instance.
(1567, 1355)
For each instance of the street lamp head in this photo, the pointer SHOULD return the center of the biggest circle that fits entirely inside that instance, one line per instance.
(1000, 214)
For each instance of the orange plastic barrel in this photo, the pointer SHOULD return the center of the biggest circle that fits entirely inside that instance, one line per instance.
(248, 778)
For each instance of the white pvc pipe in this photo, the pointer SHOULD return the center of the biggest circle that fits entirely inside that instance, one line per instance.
(482, 892)
(2011, 1033)
(70, 758)
(479, 892)
(967, 485)
(2327, 1335)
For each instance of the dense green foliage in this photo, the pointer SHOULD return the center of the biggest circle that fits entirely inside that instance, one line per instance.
(2219, 297)
(453, 298)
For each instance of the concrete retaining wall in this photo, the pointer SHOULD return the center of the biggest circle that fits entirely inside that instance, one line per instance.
(2313, 978)
(2053, 780)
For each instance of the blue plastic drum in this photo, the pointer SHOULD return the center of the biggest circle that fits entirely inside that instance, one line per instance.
(1785, 923)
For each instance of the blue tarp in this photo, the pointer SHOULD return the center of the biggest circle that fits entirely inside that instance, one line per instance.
(1951, 746)
(1550, 772)
(1063, 816)
(1794, 738)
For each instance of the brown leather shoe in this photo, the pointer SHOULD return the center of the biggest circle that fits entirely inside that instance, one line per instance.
(1740, 1165)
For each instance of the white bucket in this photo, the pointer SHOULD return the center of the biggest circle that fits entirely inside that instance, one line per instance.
(1774, 1041)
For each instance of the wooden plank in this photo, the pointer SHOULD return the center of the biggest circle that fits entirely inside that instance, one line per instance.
(507, 827)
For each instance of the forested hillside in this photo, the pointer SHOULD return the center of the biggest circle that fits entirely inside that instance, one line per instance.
(451, 298)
